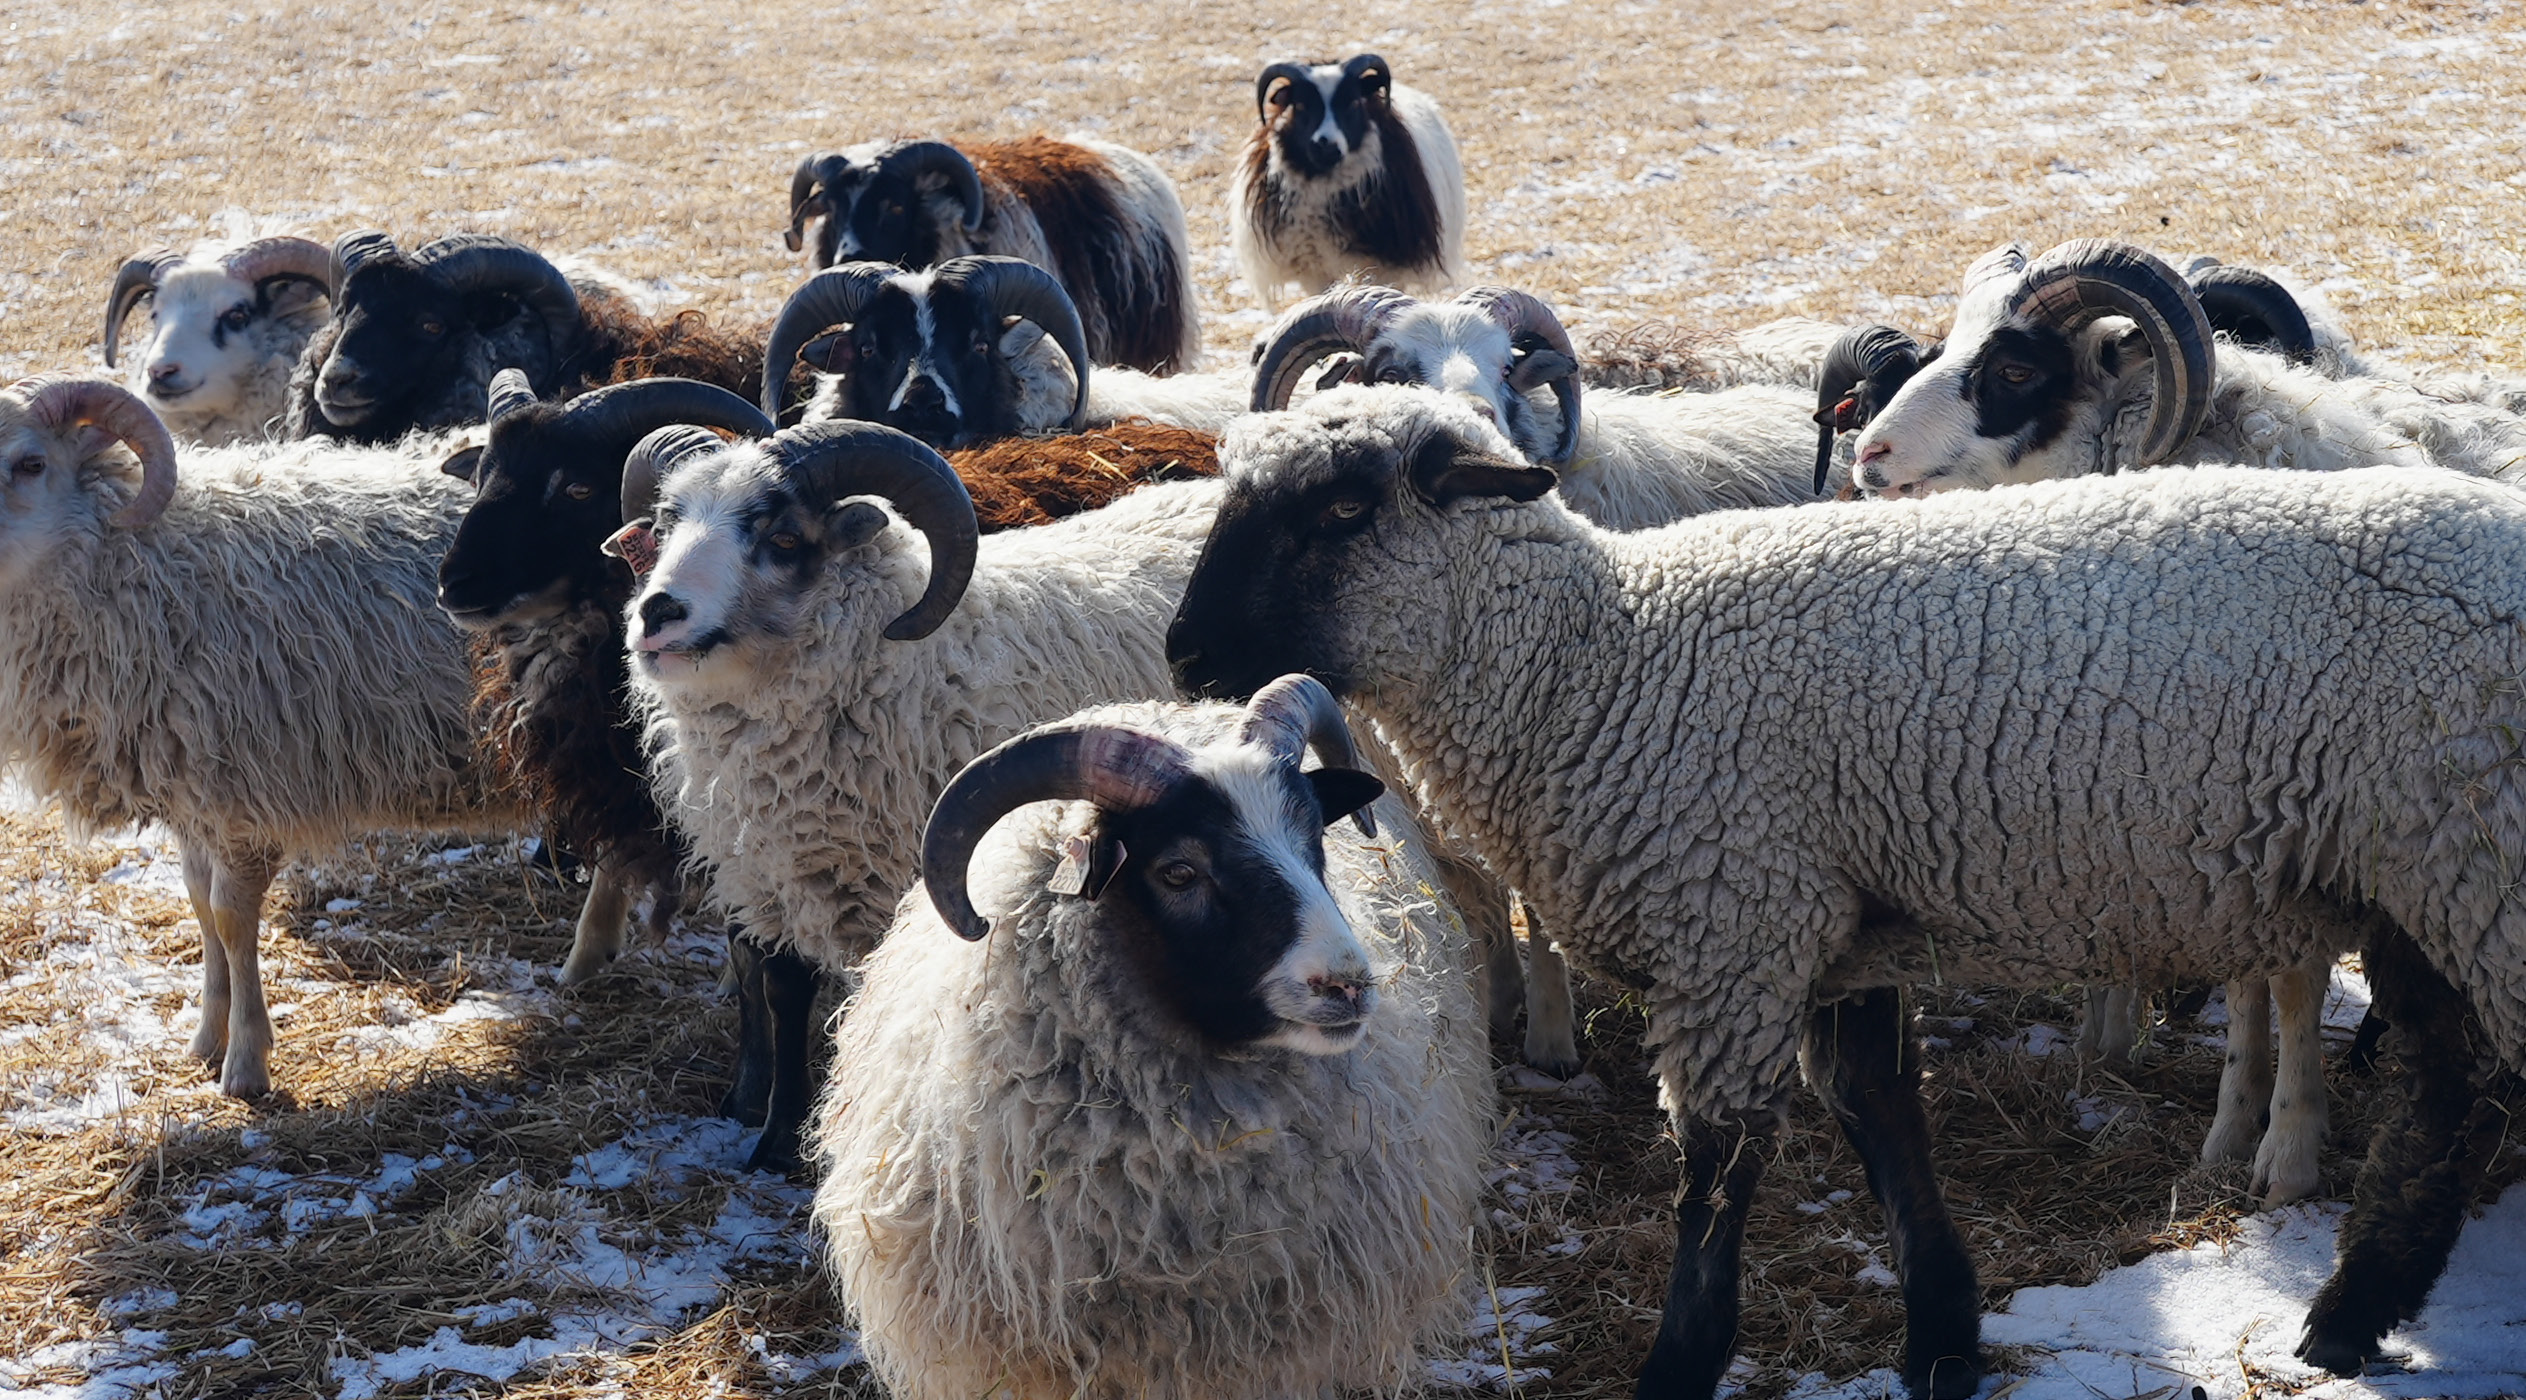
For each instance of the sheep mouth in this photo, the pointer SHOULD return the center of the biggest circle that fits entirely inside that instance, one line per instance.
(168, 393)
(690, 649)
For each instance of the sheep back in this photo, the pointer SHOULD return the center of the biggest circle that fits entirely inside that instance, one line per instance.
(1032, 1183)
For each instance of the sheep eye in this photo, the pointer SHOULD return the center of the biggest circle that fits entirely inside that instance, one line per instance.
(2016, 374)
(1344, 509)
(1177, 875)
(432, 325)
(579, 491)
(784, 541)
(32, 464)
(235, 318)
(1394, 374)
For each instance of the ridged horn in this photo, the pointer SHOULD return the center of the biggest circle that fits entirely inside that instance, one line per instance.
(913, 159)
(1295, 72)
(511, 390)
(1016, 287)
(1853, 370)
(349, 252)
(470, 262)
(2255, 310)
(839, 457)
(56, 402)
(2090, 277)
(1346, 318)
(814, 175)
(834, 297)
(2007, 260)
(1526, 317)
(137, 278)
(619, 417)
(1115, 768)
(281, 259)
(1296, 713)
(654, 458)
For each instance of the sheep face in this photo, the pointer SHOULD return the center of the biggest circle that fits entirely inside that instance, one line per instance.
(545, 499)
(50, 492)
(1322, 553)
(209, 330)
(1223, 876)
(861, 207)
(1321, 115)
(2011, 404)
(936, 364)
(748, 571)
(1461, 350)
(397, 330)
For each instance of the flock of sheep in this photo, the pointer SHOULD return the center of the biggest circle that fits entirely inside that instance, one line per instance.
(1178, 1083)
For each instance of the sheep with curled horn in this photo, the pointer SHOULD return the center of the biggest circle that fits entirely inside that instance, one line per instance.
(1209, 1035)
(242, 649)
(971, 351)
(1102, 218)
(417, 337)
(1348, 174)
(227, 323)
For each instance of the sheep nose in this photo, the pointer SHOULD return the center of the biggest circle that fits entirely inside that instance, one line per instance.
(1327, 151)
(659, 611)
(924, 395)
(1343, 989)
(1867, 467)
(165, 371)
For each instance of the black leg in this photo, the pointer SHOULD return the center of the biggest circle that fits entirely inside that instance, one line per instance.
(1697, 1334)
(2361, 1058)
(789, 983)
(2422, 1168)
(750, 1092)
(1861, 1057)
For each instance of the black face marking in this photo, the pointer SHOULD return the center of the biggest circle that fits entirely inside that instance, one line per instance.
(966, 394)
(546, 497)
(2021, 384)
(403, 330)
(883, 214)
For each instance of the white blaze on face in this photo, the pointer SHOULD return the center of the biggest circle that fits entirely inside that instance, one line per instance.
(1456, 350)
(1323, 987)
(1327, 79)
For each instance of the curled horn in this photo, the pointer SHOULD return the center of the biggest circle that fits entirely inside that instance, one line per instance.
(137, 278)
(1016, 287)
(2255, 310)
(57, 402)
(1526, 318)
(834, 297)
(913, 159)
(617, 417)
(350, 251)
(1854, 384)
(1295, 73)
(471, 262)
(511, 390)
(815, 174)
(1295, 714)
(1346, 318)
(654, 458)
(2091, 277)
(283, 259)
(2007, 260)
(1117, 769)
(1360, 65)
(829, 460)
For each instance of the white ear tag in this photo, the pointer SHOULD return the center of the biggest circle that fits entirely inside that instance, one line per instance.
(1071, 876)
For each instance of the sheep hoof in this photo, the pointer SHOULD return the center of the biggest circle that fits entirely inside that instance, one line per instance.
(1952, 1379)
(209, 1046)
(584, 964)
(2337, 1355)
(1559, 1062)
(778, 1152)
(2280, 1179)
(244, 1081)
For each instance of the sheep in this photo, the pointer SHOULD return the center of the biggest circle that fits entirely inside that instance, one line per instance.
(227, 323)
(416, 337)
(976, 348)
(1101, 218)
(1756, 763)
(785, 675)
(1200, 1113)
(1665, 355)
(1627, 461)
(2041, 378)
(1348, 174)
(248, 656)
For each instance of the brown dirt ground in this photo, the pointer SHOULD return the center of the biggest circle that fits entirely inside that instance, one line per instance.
(1715, 162)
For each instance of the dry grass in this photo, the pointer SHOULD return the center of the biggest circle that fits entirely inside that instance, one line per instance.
(1719, 163)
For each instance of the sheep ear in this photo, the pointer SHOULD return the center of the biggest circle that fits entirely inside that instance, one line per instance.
(1445, 469)
(1540, 366)
(833, 352)
(463, 464)
(2122, 353)
(856, 523)
(1342, 791)
(1018, 335)
(1088, 864)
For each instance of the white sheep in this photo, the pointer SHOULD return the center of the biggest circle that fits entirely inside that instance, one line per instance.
(1348, 173)
(248, 654)
(2120, 729)
(1200, 1113)
(227, 322)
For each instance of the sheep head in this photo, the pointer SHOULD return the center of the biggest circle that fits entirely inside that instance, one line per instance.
(404, 322)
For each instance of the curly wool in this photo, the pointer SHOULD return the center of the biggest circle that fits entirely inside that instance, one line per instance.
(807, 795)
(2176, 726)
(1646, 460)
(264, 664)
(1035, 1185)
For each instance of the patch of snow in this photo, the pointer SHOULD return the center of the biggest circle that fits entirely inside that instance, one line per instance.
(1502, 1335)
(108, 1368)
(2038, 1039)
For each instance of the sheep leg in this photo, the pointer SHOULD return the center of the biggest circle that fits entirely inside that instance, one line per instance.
(598, 940)
(1861, 1057)
(210, 1040)
(1483, 903)
(2110, 1031)
(1697, 1331)
(2361, 1058)
(2285, 1163)
(749, 1095)
(2422, 1168)
(789, 984)
(1552, 1032)
(237, 886)
(2245, 1077)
